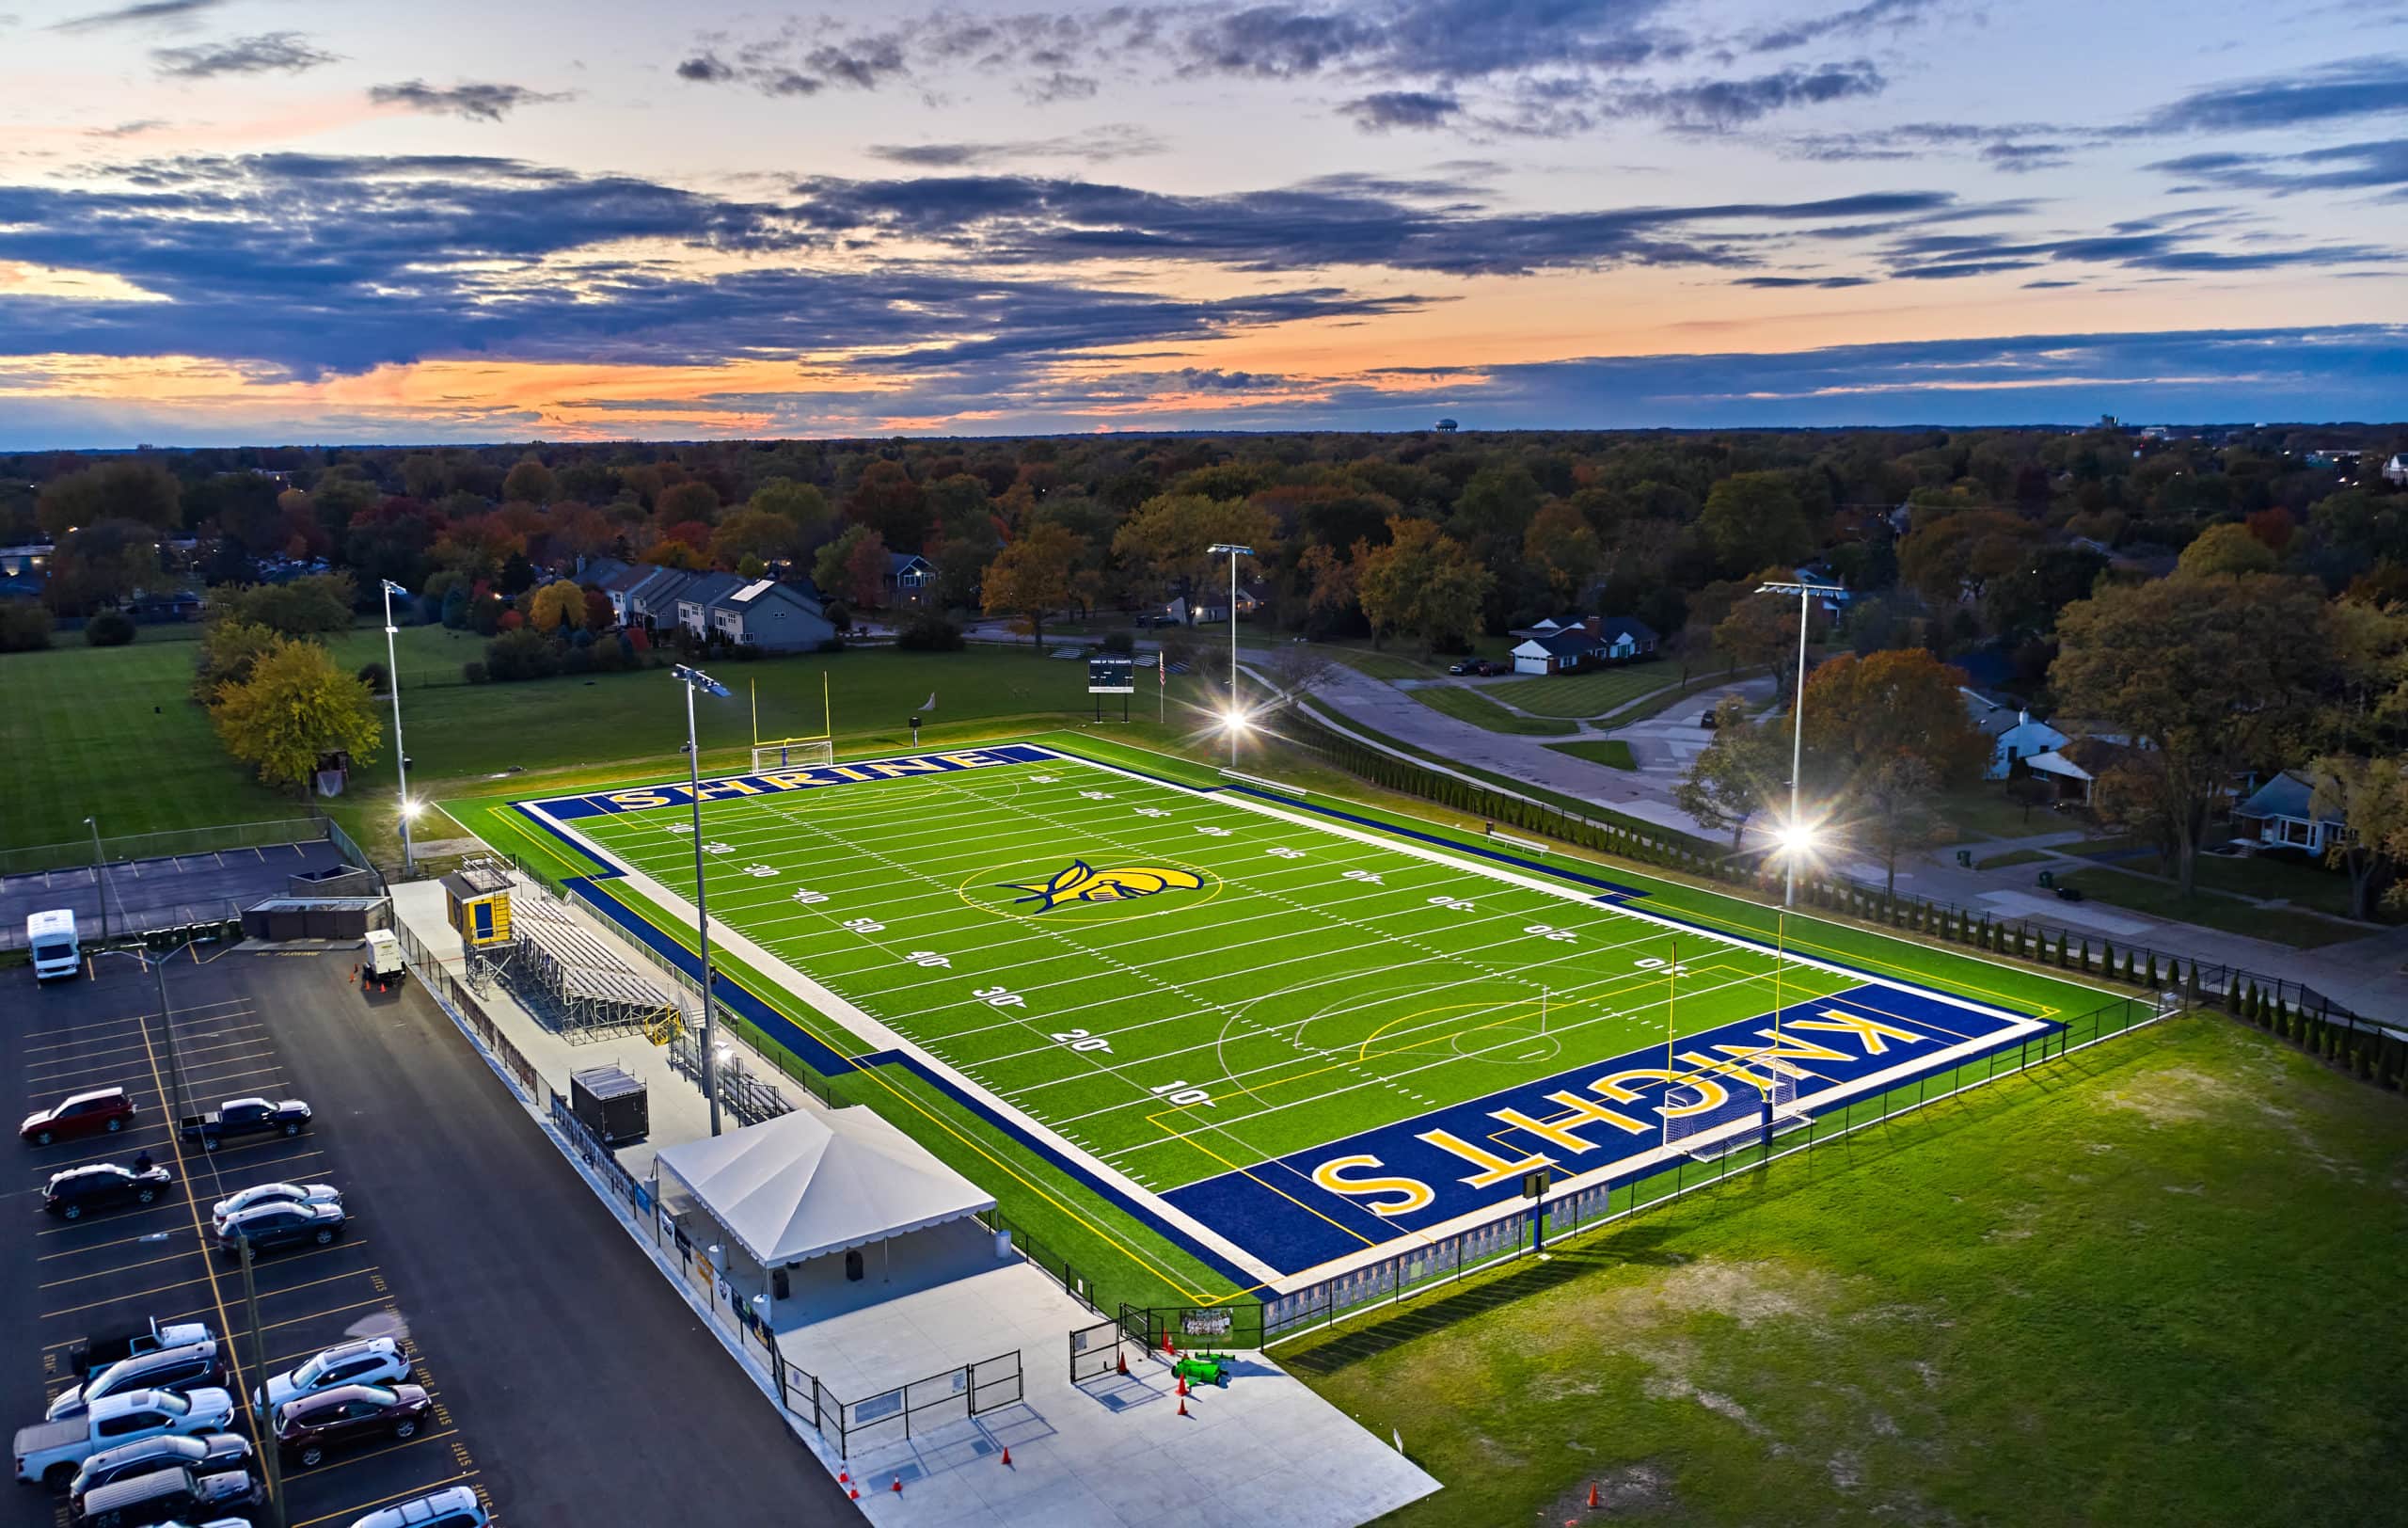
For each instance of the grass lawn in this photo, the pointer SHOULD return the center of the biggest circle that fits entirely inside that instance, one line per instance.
(1384, 665)
(112, 733)
(1613, 753)
(2115, 1289)
(2018, 856)
(1983, 811)
(1466, 705)
(2300, 931)
(2263, 876)
(1587, 694)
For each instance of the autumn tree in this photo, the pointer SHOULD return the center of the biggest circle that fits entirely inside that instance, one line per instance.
(1031, 577)
(228, 649)
(1423, 584)
(1861, 710)
(1333, 587)
(296, 706)
(2369, 796)
(1752, 518)
(2226, 549)
(800, 503)
(1955, 557)
(1761, 632)
(1891, 812)
(1734, 777)
(558, 605)
(96, 565)
(126, 489)
(853, 568)
(685, 502)
(1168, 538)
(528, 483)
(2210, 675)
(887, 501)
(759, 534)
(1563, 545)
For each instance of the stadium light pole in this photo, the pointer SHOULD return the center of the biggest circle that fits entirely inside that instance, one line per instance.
(1795, 837)
(1236, 718)
(401, 759)
(100, 873)
(695, 680)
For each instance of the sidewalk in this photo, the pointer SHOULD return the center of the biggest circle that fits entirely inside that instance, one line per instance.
(1266, 1452)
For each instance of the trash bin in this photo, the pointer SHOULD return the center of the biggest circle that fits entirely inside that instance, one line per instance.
(2048, 878)
(853, 1264)
(1965, 858)
(778, 1287)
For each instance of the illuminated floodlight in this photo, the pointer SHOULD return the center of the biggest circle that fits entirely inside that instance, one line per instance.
(410, 809)
(1236, 721)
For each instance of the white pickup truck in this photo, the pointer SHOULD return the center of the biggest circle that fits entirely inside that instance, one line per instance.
(49, 1452)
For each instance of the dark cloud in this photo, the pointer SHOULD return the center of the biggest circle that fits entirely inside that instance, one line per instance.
(1333, 223)
(1716, 105)
(173, 11)
(705, 69)
(2352, 87)
(1117, 141)
(2044, 286)
(1877, 15)
(127, 130)
(2174, 250)
(2022, 158)
(327, 263)
(271, 53)
(476, 103)
(1776, 283)
(2381, 165)
(1386, 109)
(1061, 85)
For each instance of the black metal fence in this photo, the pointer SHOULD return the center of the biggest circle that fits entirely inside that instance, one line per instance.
(1436, 1264)
(1095, 1351)
(1238, 1324)
(451, 991)
(1057, 1268)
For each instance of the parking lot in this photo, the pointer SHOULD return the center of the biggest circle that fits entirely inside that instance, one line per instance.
(569, 1383)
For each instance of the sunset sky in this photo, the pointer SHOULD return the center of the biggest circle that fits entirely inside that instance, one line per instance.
(227, 221)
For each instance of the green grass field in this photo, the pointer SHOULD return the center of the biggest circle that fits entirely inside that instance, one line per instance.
(2300, 931)
(1293, 985)
(1469, 705)
(1592, 693)
(1613, 753)
(2136, 1288)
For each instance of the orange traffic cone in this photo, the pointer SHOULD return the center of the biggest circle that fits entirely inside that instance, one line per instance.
(1593, 1493)
(843, 1479)
(898, 1485)
(1008, 1455)
(1182, 1384)
(856, 1495)
(1182, 1404)
(1124, 1363)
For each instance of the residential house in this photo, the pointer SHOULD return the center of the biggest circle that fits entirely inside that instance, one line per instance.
(775, 618)
(1213, 604)
(908, 578)
(1568, 644)
(652, 601)
(695, 601)
(2014, 735)
(2074, 767)
(2394, 471)
(616, 586)
(2282, 812)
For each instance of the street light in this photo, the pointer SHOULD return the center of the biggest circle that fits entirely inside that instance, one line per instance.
(694, 679)
(1795, 836)
(1235, 723)
(401, 760)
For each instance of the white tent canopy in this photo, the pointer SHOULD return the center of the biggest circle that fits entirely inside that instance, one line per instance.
(803, 1184)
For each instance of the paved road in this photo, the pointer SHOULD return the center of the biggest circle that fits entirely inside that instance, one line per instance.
(581, 1391)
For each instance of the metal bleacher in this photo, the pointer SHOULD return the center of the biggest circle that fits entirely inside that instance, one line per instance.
(581, 988)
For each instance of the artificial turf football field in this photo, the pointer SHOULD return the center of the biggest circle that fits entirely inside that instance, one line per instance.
(1291, 1032)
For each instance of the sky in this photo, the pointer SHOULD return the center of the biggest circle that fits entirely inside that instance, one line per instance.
(271, 221)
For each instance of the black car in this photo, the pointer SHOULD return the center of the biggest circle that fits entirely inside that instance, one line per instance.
(213, 1454)
(170, 1494)
(270, 1226)
(102, 1185)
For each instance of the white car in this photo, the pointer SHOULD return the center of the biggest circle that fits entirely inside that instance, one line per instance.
(456, 1507)
(270, 1193)
(376, 1361)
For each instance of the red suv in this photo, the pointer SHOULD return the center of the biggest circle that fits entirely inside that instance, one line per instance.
(315, 1426)
(79, 1114)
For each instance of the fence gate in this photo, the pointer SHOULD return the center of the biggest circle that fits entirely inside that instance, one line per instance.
(1095, 1351)
(994, 1382)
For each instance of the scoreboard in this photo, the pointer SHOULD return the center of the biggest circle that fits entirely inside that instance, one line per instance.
(1112, 673)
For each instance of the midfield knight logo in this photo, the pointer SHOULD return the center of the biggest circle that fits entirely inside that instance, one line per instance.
(1079, 881)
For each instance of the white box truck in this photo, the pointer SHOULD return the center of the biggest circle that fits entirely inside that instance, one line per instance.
(50, 936)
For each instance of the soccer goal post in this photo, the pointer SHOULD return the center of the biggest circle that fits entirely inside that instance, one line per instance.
(1716, 1110)
(793, 753)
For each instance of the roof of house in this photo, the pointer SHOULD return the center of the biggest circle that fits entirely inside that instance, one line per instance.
(2290, 795)
(659, 585)
(710, 588)
(1617, 626)
(1993, 714)
(599, 572)
(1572, 643)
(625, 579)
(903, 562)
(762, 593)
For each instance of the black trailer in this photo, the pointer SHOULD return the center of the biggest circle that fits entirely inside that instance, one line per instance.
(613, 1104)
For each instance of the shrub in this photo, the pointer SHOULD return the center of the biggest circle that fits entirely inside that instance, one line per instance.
(1119, 641)
(24, 626)
(929, 634)
(522, 653)
(372, 675)
(473, 672)
(109, 628)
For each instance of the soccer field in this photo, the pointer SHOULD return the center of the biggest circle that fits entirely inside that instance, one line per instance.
(1290, 1035)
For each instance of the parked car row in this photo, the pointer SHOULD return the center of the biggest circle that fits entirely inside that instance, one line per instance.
(1482, 667)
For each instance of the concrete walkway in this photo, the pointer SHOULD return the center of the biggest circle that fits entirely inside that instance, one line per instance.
(1266, 1452)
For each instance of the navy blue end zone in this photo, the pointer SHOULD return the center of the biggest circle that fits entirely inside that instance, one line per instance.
(1317, 1205)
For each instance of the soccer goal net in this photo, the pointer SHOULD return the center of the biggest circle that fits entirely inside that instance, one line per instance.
(793, 753)
(1716, 1111)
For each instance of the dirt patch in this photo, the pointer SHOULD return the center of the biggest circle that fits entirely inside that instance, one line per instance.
(2175, 1095)
(1638, 1491)
(1747, 1293)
